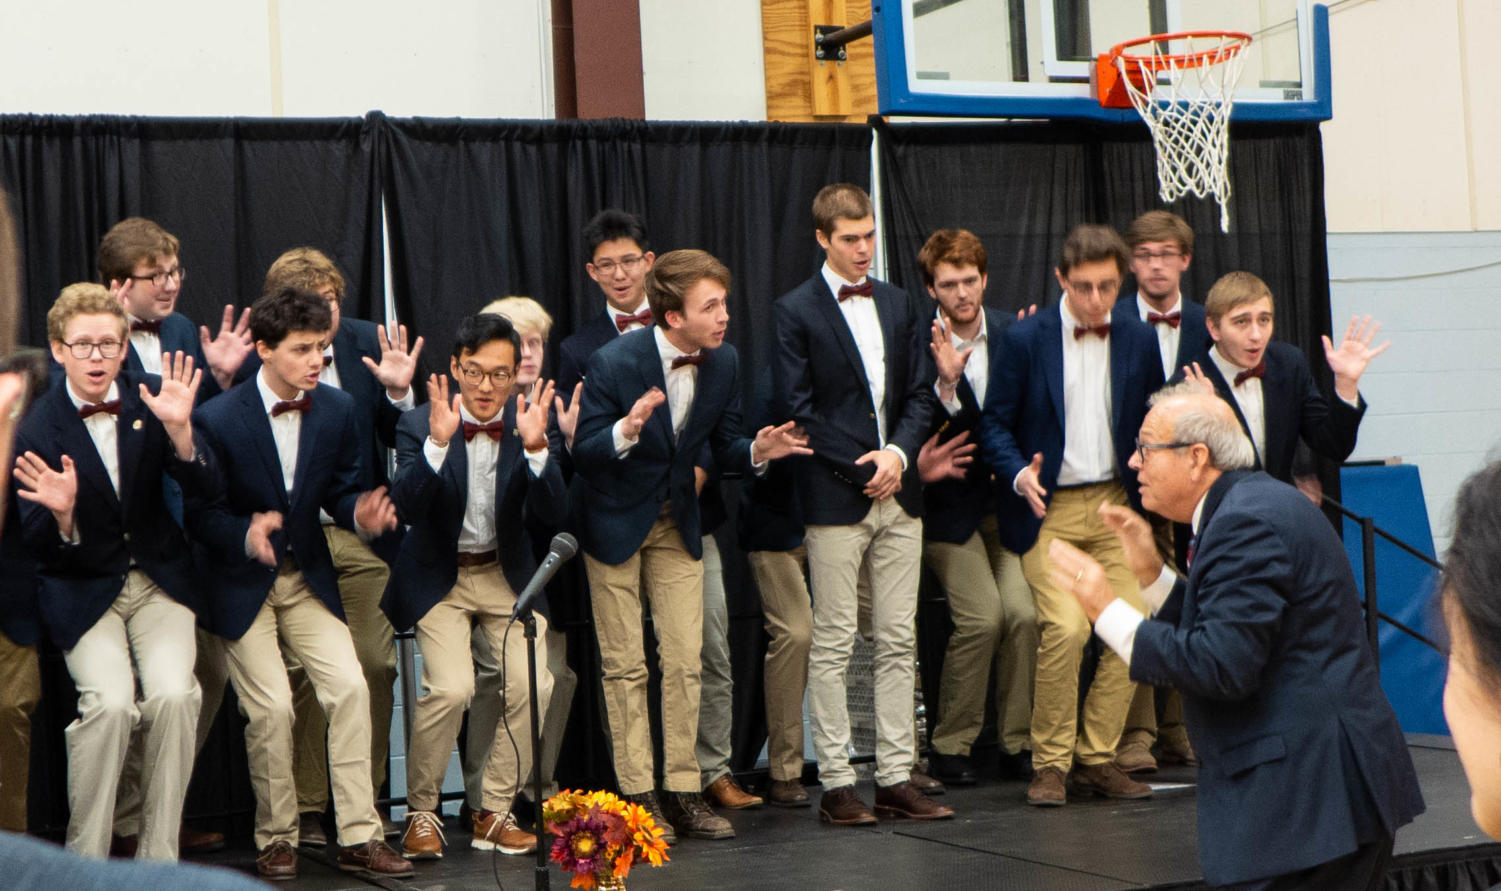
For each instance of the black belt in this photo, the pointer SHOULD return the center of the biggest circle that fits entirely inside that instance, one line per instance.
(468, 559)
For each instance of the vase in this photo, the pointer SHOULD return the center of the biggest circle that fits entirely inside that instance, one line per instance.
(611, 883)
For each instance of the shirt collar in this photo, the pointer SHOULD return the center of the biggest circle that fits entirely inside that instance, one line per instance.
(1199, 511)
(835, 280)
(1228, 369)
(464, 414)
(665, 349)
(112, 395)
(268, 396)
(1144, 307)
(615, 313)
(1069, 322)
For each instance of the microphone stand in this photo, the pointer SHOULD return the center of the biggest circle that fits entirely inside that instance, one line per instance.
(529, 626)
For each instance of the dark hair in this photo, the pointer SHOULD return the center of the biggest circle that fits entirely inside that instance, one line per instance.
(840, 201)
(1090, 243)
(274, 316)
(479, 329)
(1472, 568)
(956, 247)
(674, 275)
(611, 224)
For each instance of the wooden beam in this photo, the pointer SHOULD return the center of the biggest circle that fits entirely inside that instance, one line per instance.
(800, 87)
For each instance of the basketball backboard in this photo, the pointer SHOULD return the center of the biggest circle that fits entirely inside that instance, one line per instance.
(1032, 58)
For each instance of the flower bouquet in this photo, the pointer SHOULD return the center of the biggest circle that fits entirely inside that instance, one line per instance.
(597, 837)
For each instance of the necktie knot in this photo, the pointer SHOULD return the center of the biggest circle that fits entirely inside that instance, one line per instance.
(1171, 319)
(1083, 331)
(695, 359)
(864, 289)
(622, 322)
(1258, 372)
(88, 411)
(301, 404)
(148, 327)
(495, 430)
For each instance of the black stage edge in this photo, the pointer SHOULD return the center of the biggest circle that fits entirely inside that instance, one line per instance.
(995, 841)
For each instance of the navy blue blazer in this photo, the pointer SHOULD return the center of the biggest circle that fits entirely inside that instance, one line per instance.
(1193, 329)
(179, 334)
(432, 504)
(617, 500)
(577, 348)
(79, 582)
(820, 381)
(954, 509)
(1303, 758)
(770, 517)
(1024, 411)
(1293, 407)
(20, 619)
(328, 476)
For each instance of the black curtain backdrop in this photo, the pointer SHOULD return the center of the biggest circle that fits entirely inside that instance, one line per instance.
(481, 209)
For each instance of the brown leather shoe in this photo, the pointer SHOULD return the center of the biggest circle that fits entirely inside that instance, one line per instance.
(1108, 780)
(1168, 753)
(653, 806)
(843, 807)
(310, 830)
(1047, 788)
(376, 857)
(904, 800)
(692, 816)
(787, 793)
(924, 783)
(727, 793)
(278, 862)
(1135, 757)
(199, 841)
(423, 839)
(499, 832)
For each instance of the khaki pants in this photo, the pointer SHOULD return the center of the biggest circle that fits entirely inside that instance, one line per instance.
(1058, 740)
(321, 644)
(995, 619)
(716, 701)
(362, 581)
(893, 541)
(480, 597)
(673, 584)
(789, 623)
(484, 712)
(20, 691)
(144, 637)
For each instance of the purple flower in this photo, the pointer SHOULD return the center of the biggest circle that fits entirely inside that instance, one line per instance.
(582, 844)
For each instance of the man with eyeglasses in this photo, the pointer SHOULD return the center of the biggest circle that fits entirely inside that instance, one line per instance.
(474, 475)
(1161, 245)
(118, 589)
(1061, 414)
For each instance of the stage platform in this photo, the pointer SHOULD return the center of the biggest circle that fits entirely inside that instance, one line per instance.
(995, 841)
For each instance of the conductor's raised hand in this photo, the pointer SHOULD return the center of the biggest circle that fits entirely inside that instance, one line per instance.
(636, 418)
(1135, 534)
(374, 512)
(888, 478)
(1075, 572)
(442, 412)
(531, 419)
(1029, 486)
(258, 538)
(778, 442)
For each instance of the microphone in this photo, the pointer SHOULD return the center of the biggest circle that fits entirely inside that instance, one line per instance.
(562, 549)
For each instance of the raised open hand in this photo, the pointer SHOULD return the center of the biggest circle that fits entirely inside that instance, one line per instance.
(226, 351)
(1349, 360)
(56, 490)
(531, 418)
(443, 412)
(397, 362)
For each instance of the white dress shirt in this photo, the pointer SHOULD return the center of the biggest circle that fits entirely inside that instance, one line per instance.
(148, 347)
(103, 429)
(1167, 335)
(1248, 395)
(865, 327)
(1088, 453)
(285, 429)
(976, 368)
(478, 533)
(616, 314)
(1118, 622)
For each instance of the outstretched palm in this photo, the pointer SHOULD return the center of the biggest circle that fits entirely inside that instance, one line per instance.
(55, 490)
(173, 406)
(531, 418)
(397, 362)
(1349, 361)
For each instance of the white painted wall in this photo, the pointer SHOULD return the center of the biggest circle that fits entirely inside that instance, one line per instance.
(701, 61)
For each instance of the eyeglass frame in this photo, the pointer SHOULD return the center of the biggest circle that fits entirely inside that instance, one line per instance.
(118, 346)
(1143, 447)
(607, 265)
(178, 272)
(499, 378)
(1165, 256)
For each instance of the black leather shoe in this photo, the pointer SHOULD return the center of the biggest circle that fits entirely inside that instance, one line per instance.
(1016, 766)
(953, 770)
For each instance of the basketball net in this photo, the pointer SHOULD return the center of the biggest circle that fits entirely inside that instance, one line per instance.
(1185, 99)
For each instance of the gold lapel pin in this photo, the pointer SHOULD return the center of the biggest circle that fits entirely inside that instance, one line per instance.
(136, 425)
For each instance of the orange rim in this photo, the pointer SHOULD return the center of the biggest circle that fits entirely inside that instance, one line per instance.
(1181, 60)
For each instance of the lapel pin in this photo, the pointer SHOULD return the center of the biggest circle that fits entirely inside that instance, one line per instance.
(136, 425)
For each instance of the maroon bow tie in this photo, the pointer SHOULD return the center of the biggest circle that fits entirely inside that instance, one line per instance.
(88, 411)
(302, 405)
(864, 289)
(495, 430)
(1258, 371)
(1171, 319)
(695, 359)
(148, 327)
(624, 322)
(1083, 331)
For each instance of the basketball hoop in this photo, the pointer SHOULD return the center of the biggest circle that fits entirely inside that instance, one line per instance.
(1185, 99)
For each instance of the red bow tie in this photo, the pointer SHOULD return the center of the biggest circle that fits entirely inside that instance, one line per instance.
(623, 322)
(495, 430)
(148, 327)
(1259, 371)
(864, 289)
(88, 411)
(695, 359)
(302, 405)
(1164, 318)
(1083, 331)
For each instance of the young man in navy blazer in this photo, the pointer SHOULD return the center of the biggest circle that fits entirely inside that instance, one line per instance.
(1061, 415)
(852, 369)
(1268, 382)
(283, 441)
(1161, 245)
(117, 585)
(1306, 774)
(376, 369)
(653, 402)
(473, 476)
(989, 600)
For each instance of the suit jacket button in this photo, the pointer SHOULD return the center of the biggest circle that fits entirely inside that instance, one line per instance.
(127, 536)
(872, 416)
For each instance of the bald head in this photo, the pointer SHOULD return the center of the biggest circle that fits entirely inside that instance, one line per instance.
(1189, 438)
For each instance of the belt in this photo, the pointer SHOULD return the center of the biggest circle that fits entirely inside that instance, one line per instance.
(1069, 488)
(482, 558)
